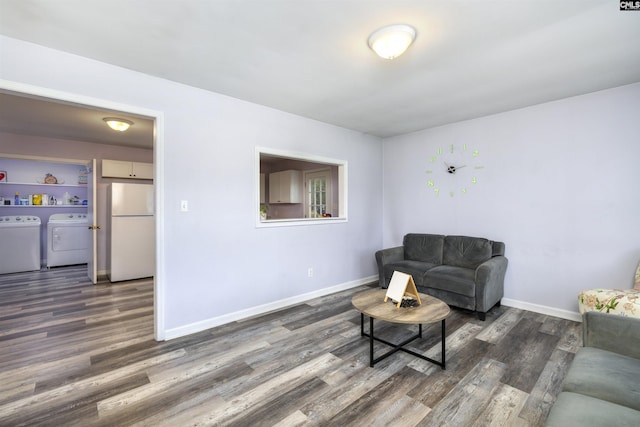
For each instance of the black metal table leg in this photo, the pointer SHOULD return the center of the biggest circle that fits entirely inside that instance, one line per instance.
(443, 341)
(400, 346)
(371, 361)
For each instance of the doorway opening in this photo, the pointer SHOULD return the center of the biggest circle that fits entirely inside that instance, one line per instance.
(65, 100)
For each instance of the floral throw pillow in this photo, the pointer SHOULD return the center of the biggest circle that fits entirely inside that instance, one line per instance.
(613, 301)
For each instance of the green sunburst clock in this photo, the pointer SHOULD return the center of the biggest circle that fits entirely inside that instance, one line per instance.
(453, 169)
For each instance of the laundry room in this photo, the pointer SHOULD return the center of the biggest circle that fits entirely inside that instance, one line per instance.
(44, 187)
(49, 196)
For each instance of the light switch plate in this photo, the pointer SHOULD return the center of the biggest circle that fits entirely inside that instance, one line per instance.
(184, 206)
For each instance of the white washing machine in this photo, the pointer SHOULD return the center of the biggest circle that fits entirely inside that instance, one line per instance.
(19, 243)
(67, 239)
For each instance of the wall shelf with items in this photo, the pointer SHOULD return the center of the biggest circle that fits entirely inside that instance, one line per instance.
(43, 185)
(40, 184)
(80, 206)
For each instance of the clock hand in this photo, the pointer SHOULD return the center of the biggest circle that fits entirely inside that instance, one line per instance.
(450, 169)
(453, 169)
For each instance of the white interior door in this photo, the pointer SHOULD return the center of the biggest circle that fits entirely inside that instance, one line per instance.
(317, 198)
(92, 248)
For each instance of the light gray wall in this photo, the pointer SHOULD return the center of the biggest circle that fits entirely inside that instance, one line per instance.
(560, 188)
(217, 261)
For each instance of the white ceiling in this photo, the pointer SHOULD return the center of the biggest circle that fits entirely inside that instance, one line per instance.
(471, 58)
(39, 117)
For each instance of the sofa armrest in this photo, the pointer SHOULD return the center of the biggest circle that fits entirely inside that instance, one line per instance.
(611, 332)
(490, 282)
(386, 256)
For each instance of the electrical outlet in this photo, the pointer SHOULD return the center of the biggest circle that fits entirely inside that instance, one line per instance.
(184, 205)
(310, 272)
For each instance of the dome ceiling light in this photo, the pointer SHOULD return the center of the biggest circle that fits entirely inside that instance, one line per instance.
(391, 41)
(118, 124)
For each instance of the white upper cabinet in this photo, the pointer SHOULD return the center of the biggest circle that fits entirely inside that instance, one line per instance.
(285, 187)
(124, 169)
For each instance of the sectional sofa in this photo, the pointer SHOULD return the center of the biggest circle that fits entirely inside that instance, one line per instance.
(602, 387)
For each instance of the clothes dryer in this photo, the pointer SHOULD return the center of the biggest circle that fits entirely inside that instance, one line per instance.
(67, 239)
(19, 244)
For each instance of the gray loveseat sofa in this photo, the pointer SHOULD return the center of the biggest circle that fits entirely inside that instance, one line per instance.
(465, 272)
(602, 387)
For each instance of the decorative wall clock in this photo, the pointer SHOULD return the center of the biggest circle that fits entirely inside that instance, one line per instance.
(453, 169)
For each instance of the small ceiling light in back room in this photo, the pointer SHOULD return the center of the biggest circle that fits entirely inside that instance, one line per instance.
(118, 124)
(391, 41)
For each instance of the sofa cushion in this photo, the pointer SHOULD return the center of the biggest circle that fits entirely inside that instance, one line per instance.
(497, 248)
(605, 375)
(415, 268)
(455, 300)
(451, 279)
(423, 247)
(467, 252)
(577, 410)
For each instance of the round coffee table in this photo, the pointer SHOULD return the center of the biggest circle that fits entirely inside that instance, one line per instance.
(371, 303)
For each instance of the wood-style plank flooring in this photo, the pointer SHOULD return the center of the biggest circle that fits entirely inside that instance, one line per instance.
(74, 354)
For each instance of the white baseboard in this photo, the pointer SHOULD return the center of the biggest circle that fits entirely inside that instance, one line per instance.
(543, 309)
(262, 309)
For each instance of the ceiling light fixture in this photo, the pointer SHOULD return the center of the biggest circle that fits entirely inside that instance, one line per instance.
(391, 41)
(118, 124)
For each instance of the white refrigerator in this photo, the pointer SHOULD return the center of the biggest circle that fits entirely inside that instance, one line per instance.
(131, 236)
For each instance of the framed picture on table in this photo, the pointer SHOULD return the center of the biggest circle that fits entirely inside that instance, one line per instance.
(3, 176)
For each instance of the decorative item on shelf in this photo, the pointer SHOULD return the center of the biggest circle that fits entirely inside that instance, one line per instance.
(3, 176)
(82, 176)
(50, 179)
(400, 287)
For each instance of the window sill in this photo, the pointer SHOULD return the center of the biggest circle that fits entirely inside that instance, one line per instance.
(291, 222)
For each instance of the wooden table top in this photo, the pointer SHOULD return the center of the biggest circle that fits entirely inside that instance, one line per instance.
(372, 304)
